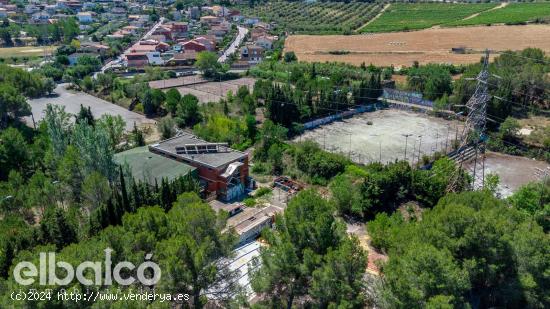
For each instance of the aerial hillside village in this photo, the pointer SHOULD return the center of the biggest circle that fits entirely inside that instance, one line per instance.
(148, 41)
(274, 154)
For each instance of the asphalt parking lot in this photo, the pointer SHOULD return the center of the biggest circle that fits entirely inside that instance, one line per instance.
(72, 101)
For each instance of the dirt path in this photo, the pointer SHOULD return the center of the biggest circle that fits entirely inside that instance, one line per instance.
(502, 5)
(375, 17)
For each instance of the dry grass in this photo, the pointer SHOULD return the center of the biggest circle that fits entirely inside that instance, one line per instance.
(27, 51)
(425, 46)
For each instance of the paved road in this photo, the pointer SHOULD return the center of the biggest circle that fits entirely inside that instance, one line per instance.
(118, 59)
(233, 47)
(72, 100)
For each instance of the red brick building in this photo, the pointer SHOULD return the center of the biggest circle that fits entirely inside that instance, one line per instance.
(222, 171)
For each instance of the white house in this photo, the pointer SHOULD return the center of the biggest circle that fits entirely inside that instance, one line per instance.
(265, 41)
(154, 58)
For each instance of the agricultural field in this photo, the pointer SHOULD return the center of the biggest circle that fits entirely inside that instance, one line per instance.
(424, 46)
(514, 13)
(315, 18)
(402, 16)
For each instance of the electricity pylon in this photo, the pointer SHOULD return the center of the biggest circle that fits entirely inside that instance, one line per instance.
(474, 132)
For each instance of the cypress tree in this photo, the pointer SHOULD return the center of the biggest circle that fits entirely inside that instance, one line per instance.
(125, 201)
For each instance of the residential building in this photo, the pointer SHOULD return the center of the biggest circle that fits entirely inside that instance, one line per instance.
(218, 30)
(219, 10)
(251, 21)
(149, 46)
(3, 13)
(154, 58)
(131, 29)
(255, 33)
(93, 47)
(253, 54)
(194, 12)
(223, 172)
(194, 46)
(159, 37)
(248, 223)
(40, 17)
(137, 59)
(183, 59)
(178, 29)
(265, 41)
(211, 20)
(207, 42)
(30, 9)
(84, 17)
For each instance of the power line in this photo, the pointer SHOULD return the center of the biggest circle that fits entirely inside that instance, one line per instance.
(475, 126)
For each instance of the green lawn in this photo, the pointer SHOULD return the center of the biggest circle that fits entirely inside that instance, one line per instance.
(401, 16)
(512, 14)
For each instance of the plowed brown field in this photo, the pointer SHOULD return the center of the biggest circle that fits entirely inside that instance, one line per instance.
(425, 46)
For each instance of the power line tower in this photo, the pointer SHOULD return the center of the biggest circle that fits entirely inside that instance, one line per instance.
(474, 133)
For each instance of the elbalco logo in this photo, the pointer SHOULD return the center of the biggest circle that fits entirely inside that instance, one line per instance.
(25, 273)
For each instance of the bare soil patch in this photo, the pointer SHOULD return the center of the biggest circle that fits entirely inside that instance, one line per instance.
(214, 91)
(424, 46)
(513, 171)
(385, 138)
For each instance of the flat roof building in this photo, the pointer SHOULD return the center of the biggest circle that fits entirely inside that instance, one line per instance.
(223, 171)
(151, 167)
(250, 222)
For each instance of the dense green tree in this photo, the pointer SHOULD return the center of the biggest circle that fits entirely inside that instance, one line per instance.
(310, 249)
(14, 152)
(187, 111)
(12, 104)
(470, 235)
(270, 134)
(207, 63)
(85, 115)
(55, 228)
(59, 128)
(166, 127)
(95, 191)
(290, 56)
(114, 126)
(422, 273)
(432, 80)
(137, 136)
(534, 199)
(173, 98)
(191, 255)
(94, 148)
(151, 100)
